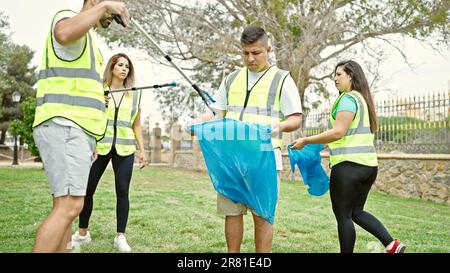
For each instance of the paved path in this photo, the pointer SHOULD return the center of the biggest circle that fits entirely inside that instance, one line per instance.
(8, 164)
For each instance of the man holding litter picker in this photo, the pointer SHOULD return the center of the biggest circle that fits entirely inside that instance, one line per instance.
(70, 113)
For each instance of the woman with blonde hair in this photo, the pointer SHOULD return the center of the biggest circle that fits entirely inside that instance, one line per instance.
(118, 145)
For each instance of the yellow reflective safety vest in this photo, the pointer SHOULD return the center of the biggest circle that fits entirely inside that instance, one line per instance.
(72, 89)
(259, 104)
(119, 133)
(357, 145)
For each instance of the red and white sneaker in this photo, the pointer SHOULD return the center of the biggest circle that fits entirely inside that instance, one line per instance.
(395, 247)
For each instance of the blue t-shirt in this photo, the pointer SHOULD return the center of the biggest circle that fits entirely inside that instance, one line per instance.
(347, 103)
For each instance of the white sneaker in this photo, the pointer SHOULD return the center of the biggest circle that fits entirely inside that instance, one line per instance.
(120, 242)
(79, 239)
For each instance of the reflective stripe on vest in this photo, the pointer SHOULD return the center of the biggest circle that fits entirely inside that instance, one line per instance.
(120, 141)
(256, 110)
(267, 109)
(230, 80)
(69, 73)
(353, 150)
(70, 100)
(136, 96)
(119, 123)
(357, 145)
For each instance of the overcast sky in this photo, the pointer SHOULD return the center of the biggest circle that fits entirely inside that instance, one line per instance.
(30, 22)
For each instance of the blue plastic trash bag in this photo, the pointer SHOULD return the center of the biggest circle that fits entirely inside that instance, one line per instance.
(309, 163)
(241, 163)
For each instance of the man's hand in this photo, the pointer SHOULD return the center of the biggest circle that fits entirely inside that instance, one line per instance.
(119, 8)
(94, 155)
(298, 143)
(276, 129)
(185, 126)
(207, 116)
(71, 29)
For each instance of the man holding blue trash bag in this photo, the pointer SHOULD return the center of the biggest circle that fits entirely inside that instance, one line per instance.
(259, 94)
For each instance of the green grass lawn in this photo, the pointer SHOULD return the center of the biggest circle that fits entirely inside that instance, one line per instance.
(174, 210)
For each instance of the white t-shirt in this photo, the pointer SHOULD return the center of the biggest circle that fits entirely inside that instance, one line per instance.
(67, 52)
(70, 51)
(289, 101)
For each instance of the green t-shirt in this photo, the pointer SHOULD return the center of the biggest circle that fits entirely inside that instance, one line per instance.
(347, 103)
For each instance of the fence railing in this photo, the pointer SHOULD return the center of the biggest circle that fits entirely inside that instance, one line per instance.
(419, 124)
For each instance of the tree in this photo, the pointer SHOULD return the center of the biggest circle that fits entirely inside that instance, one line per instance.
(23, 127)
(308, 36)
(16, 74)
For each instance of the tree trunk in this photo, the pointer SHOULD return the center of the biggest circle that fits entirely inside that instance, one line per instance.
(2, 137)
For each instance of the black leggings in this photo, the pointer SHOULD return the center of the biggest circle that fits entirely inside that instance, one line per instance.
(350, 184)
(123, 169)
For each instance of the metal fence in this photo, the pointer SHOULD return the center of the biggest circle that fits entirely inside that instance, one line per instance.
(419, 124)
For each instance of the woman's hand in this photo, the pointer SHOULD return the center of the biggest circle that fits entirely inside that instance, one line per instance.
(143, 162)
(106, 101)
(298, 143)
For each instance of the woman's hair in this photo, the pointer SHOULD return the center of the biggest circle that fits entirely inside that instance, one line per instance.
(359, 83)
(129, 81)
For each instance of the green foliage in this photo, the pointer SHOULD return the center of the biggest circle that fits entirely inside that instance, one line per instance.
(23, 127)
(16, 74)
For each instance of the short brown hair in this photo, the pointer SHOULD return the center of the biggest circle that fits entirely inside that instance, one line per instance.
(252, 34)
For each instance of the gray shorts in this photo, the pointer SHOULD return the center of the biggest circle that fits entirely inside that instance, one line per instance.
(67, 156)
(228, 207)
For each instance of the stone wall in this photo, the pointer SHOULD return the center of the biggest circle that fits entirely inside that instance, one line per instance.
(418, 176)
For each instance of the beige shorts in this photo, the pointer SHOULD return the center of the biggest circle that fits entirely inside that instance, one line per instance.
(227, 207)
(67, 156)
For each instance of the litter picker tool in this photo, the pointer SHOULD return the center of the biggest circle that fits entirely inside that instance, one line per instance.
(172, 84)
(205, 96)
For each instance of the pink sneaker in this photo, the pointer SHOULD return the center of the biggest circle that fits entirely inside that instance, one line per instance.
(395, 247)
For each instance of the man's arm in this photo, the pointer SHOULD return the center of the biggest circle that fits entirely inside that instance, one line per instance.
(291, 123)
(209, 116)
(74, 28)
(137, 129)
